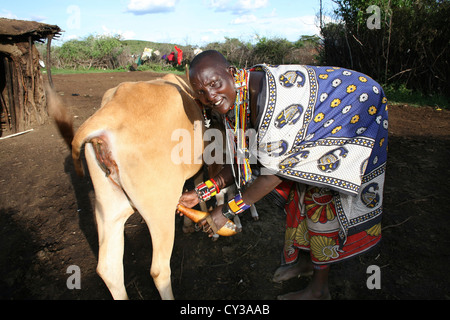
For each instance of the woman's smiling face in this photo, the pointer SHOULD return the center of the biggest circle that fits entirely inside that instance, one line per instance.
(213, 85)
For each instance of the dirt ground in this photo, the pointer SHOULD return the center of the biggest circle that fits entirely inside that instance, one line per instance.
(47, 224)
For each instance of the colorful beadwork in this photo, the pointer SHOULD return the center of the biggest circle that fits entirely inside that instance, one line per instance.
(237, 205)
(207, 190)
(239, 124)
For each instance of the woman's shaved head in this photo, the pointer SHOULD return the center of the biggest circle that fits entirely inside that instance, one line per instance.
(211, 57)
(212, 79)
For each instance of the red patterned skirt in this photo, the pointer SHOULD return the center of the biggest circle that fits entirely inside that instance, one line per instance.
(312, 225)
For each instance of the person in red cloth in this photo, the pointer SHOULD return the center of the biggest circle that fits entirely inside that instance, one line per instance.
(171, 57)
(179, 55)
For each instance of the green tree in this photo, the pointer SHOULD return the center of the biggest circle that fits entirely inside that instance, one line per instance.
(237, 52)
(91, 52)
(410, 47)
(272, 51)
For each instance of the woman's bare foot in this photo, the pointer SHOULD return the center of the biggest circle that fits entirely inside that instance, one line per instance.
(303, 267)
(316, 290)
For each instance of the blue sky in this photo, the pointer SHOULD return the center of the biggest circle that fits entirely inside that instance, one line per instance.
(184, 22)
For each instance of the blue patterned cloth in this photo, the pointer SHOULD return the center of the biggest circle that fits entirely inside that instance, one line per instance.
(327, 127)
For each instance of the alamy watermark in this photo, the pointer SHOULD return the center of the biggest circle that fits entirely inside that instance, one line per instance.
(374, 280)
(74, 280)
(189, 149)
(374, 21)
(74, 20)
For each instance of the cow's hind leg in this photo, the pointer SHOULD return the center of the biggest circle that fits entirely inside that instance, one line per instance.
(159, 214)
(112, 209)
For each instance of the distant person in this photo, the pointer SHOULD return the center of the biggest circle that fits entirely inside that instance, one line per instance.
(178, 55)
(320, 145)
(171, 58)
(175, 57)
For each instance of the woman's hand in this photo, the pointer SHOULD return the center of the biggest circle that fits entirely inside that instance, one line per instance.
(189, 199)
(218, 219)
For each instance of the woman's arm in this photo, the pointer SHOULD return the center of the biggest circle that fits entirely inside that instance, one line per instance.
(261, 187)
(223, 179)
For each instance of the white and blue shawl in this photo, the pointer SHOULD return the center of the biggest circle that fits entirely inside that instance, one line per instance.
(327, 127)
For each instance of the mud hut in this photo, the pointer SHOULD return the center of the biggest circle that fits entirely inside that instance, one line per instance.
(22, 94)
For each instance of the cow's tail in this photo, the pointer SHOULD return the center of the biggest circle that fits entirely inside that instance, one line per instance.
(63, 119)
(64, 122)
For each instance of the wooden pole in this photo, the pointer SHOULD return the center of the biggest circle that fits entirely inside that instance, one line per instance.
(31, 93)
(18, 94)
(9, 84)
(4, 93)
(49, 66)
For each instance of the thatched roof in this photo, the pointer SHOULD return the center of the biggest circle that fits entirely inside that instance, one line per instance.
(19, 30)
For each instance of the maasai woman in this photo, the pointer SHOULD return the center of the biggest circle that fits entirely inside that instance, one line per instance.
(321, 144)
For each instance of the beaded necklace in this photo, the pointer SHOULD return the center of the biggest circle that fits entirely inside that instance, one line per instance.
(237, 123)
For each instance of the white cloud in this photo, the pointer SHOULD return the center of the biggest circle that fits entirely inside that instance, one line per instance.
(127, 35)
(308, 24)
(273, 14)
(205, 39)
(141, 7)
(291, 28)
(7, 14)
(217, 31)
(247, 18)
(219, 5)
(237, 6)
(252, 4)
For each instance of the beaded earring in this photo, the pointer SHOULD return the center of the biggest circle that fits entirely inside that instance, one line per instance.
(205, 117)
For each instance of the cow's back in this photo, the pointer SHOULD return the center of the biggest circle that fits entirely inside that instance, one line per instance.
(139, 119)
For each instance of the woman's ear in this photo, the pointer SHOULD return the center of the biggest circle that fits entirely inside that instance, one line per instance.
(232, 70)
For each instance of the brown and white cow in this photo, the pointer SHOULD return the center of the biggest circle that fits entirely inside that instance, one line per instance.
(128, 150)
